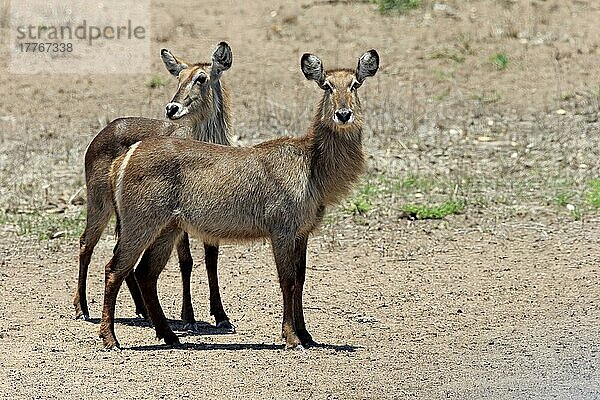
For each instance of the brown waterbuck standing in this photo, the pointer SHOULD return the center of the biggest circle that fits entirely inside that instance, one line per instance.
(201, 106)
(278, 189)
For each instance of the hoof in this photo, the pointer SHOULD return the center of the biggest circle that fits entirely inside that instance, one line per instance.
(81, 314)
(109, 340)
(306, 339)
(170, 339)
(187, 317)
(83, 317)
(294, 347)
(292, 342)
(111, 345)
(226, 326)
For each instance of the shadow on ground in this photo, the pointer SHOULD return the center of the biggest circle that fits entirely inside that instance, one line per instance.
(238, 346)
(201, 328)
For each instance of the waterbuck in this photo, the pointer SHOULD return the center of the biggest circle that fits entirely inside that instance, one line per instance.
(201, 108)
(278, 189)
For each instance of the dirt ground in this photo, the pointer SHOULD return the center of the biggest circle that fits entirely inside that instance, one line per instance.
(499, 301)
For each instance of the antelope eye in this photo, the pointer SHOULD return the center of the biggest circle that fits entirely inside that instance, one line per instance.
(354, 85)
(327, 86)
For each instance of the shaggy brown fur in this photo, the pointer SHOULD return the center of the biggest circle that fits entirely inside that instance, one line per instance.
(207, 119)
(278, 189)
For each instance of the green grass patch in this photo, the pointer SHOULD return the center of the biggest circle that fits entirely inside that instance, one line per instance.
(359, 206)
(45, 225)
(593, 195)
(577, 200)
(362, 202)
(330, 219)
(380, 194)
(426, 211)
(562, 199)
(156, 81)
(500, 61)
(396, 6)
(413, 183)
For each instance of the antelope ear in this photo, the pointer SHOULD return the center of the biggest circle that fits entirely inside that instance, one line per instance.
(368, 64)
(222, 59)
(173, 64)
(312, 68)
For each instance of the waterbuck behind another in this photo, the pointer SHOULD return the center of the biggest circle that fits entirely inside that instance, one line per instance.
(277, 189)
(201, 106)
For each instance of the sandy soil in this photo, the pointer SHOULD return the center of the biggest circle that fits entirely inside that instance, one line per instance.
(501, 301)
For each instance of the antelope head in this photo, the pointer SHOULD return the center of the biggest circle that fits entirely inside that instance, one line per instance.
(196, 82)
(340, 106)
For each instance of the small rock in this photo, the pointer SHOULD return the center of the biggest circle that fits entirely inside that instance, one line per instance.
(490, 122)
(57, 235)
(560, 111)
(570, 207)
(441, 8)
(365, 319)
(484, 138)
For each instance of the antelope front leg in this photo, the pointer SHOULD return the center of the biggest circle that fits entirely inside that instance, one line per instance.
(120, 265)
(299, 324)
(283, 251)
(147, 273)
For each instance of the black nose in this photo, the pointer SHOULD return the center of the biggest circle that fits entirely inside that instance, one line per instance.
(343, 114)
(171, 109)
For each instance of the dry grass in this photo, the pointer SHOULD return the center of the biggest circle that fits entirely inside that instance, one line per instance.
(448, 121)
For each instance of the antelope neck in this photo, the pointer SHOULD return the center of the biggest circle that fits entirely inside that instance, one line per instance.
(337, 158)
(216, 127)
